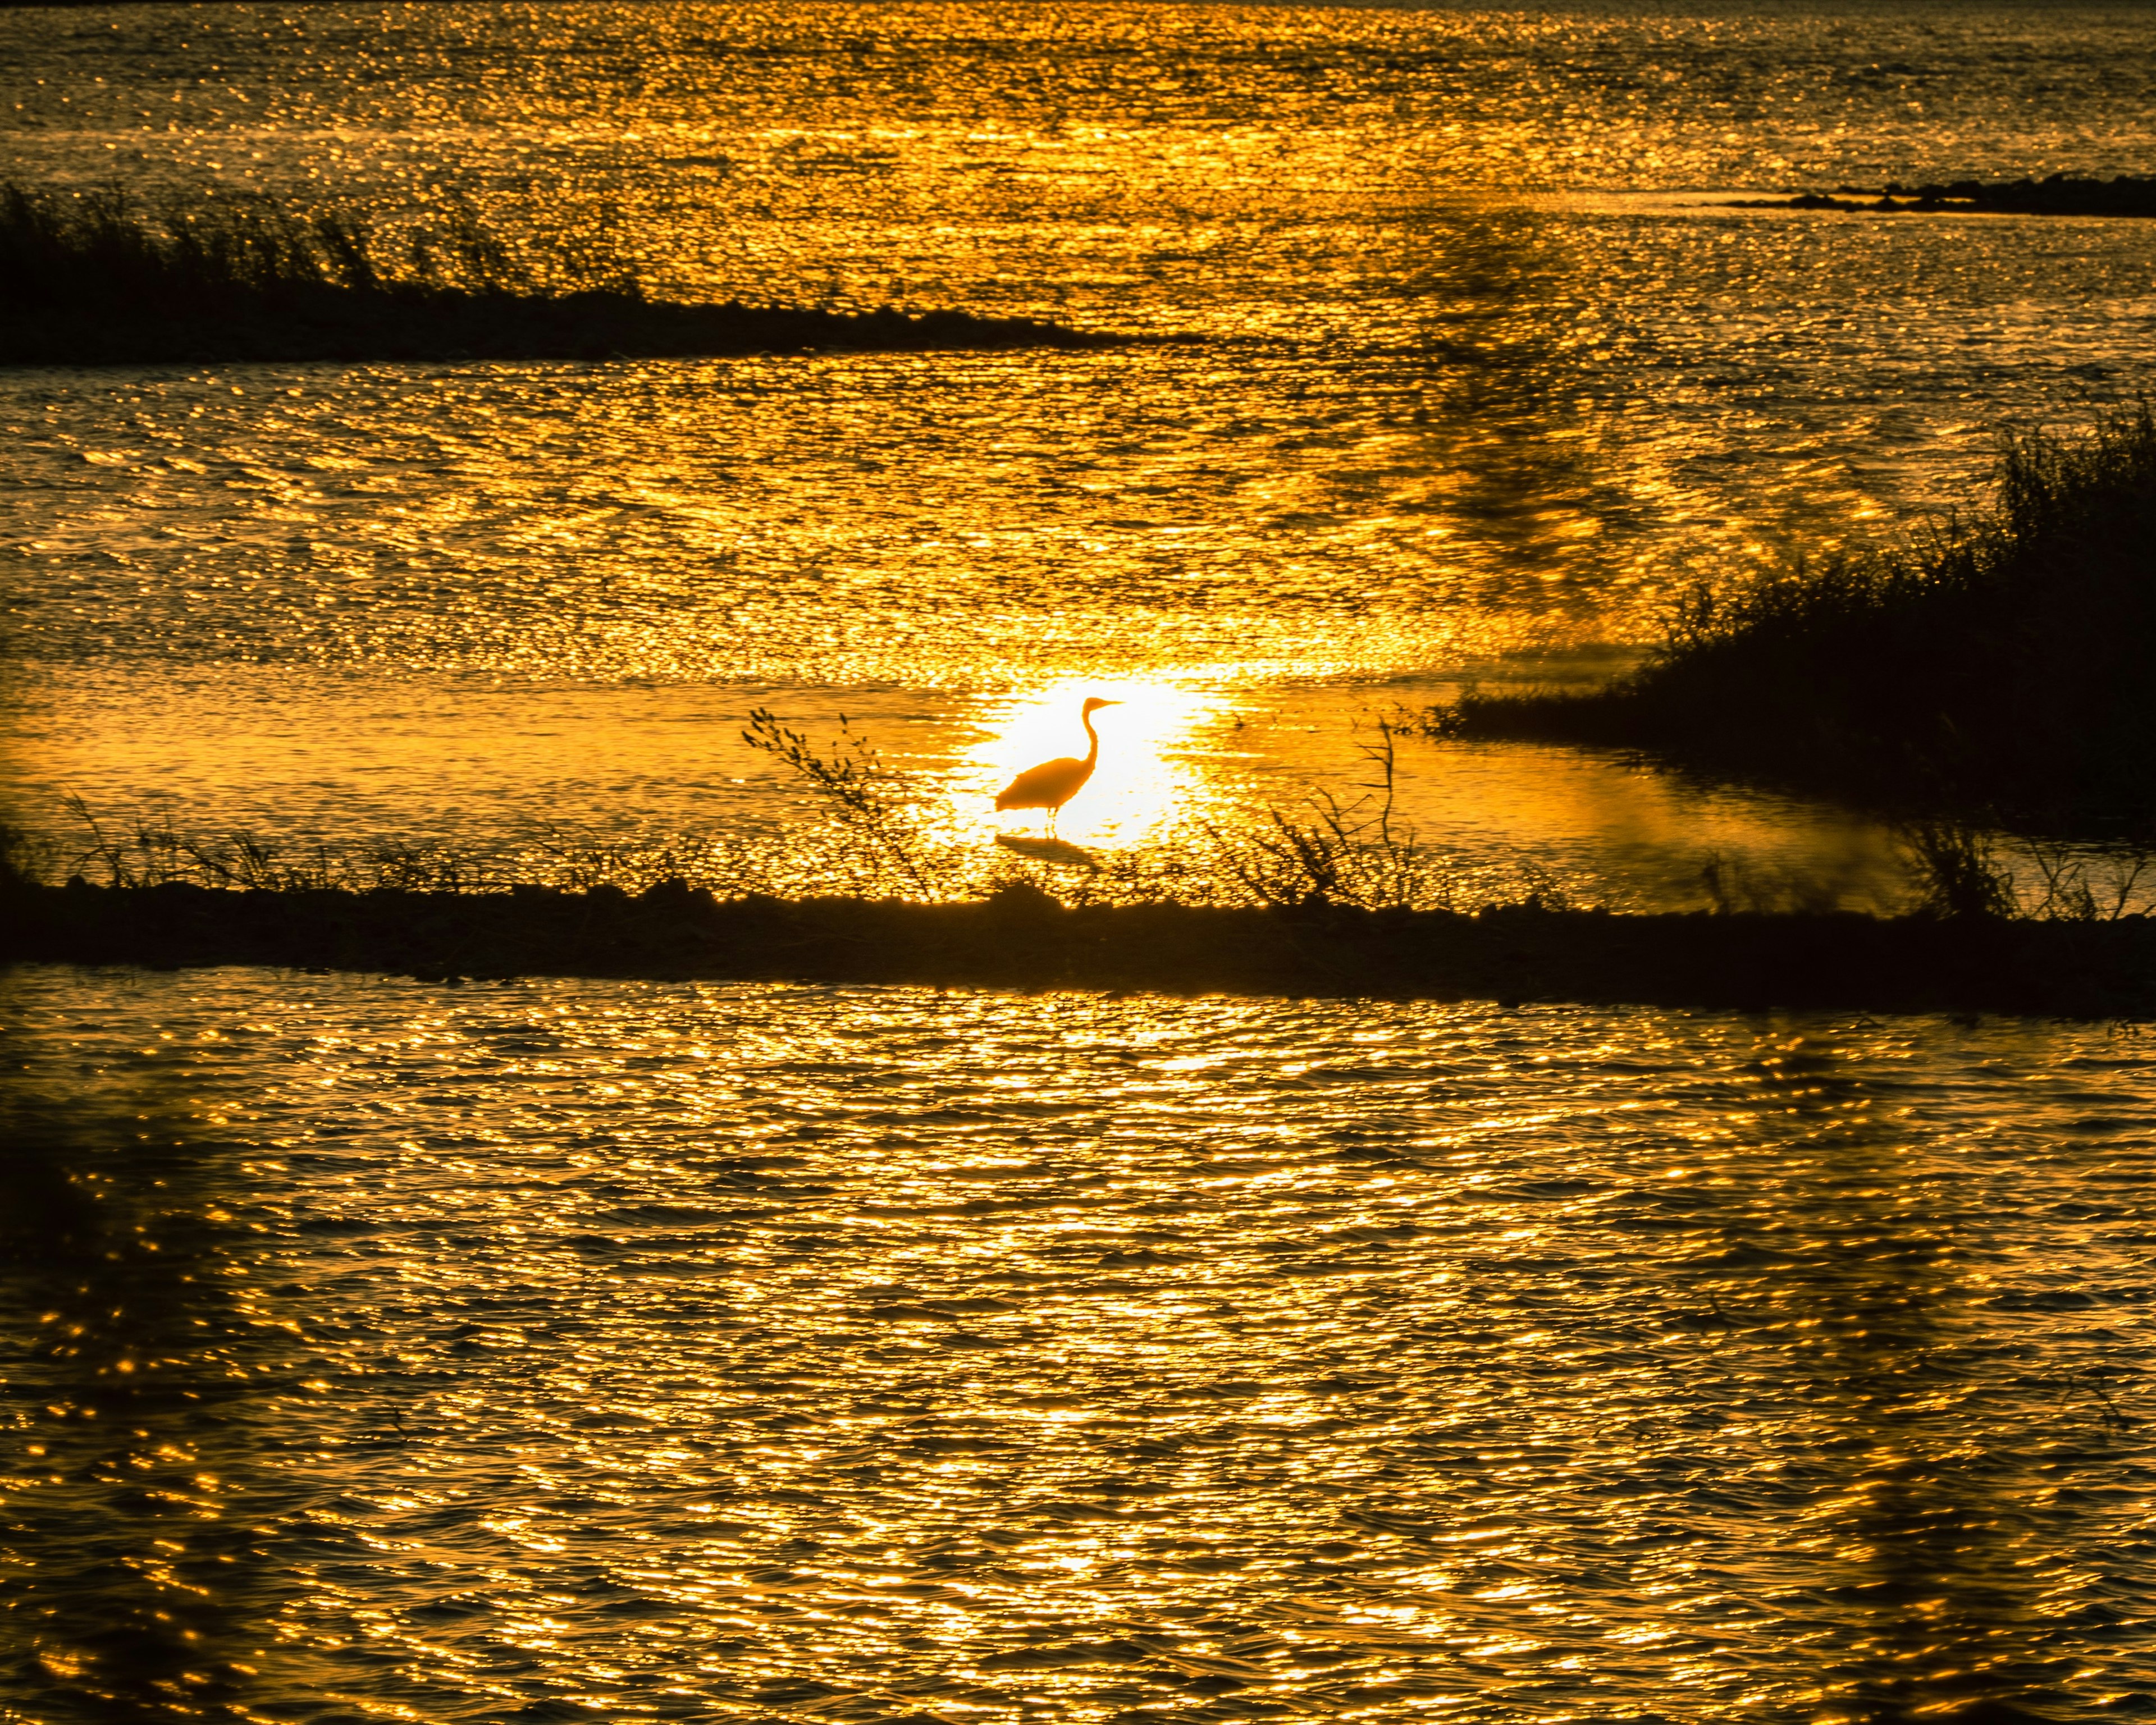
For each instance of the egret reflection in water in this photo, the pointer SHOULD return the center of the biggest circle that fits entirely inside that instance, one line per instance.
(1058, 852)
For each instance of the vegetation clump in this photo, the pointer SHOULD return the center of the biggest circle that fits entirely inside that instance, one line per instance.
(1997, 670)
(93, 279)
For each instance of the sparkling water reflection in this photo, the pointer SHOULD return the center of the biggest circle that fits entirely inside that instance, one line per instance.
(555, 1350)
(794, 1353)
(1479, 371)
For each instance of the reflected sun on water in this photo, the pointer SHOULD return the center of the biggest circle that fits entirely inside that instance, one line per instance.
(1138, 786)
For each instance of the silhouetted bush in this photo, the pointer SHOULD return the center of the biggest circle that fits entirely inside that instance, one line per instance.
(2001, 665)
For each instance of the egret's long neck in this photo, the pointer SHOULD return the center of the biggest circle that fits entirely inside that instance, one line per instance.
(1092, 738)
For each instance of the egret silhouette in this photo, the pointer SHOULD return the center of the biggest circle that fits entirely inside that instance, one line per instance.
(1053, 783)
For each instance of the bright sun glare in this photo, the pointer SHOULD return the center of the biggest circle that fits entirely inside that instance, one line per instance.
(1134, 787)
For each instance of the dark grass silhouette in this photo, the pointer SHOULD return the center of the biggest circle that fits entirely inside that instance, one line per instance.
(2056, 195)
(1999, 668)
(93, 279)
(1309, 921)
(1022, 937)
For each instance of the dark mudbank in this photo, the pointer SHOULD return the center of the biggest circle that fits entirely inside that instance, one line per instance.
(2058, 195)
(1024, 939)
(332, 323)
(89, 278)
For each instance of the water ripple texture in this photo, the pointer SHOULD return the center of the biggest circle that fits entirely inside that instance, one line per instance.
(1482, 369)
(560, 1351)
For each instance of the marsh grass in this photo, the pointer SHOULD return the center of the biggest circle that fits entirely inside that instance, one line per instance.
(882, 836)
(852, 779)
(1301, 914)
(557, 856)
(149, 851)
(98, 277)
(1356, 852)
(1963, 870)
(1958, 870)
(1996, 668)
(102, 246)
(886, 836)
(1327, 851)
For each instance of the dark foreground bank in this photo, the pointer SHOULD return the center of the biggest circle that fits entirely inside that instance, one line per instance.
(1021, 938)
(88, 278)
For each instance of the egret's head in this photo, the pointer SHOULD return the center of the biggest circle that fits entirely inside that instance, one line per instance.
(1093, 703)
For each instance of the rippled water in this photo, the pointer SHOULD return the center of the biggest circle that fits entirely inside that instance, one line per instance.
(555, 1351)
(1485, 371)
(564, 1350)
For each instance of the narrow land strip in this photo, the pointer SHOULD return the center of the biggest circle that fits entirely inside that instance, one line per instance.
(1024, 939)
(331, 324)
(2054, 195)
(92, 279)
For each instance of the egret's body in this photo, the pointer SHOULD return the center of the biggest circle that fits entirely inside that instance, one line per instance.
(1053, 783)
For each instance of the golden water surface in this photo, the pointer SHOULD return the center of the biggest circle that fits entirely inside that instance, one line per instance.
(555, 1351)
(1479, 369)
(562, 1351)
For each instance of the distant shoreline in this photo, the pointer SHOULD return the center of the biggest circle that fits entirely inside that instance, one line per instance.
(1024, 939)
(341, 326)
(2058, 195)
(93, 279)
